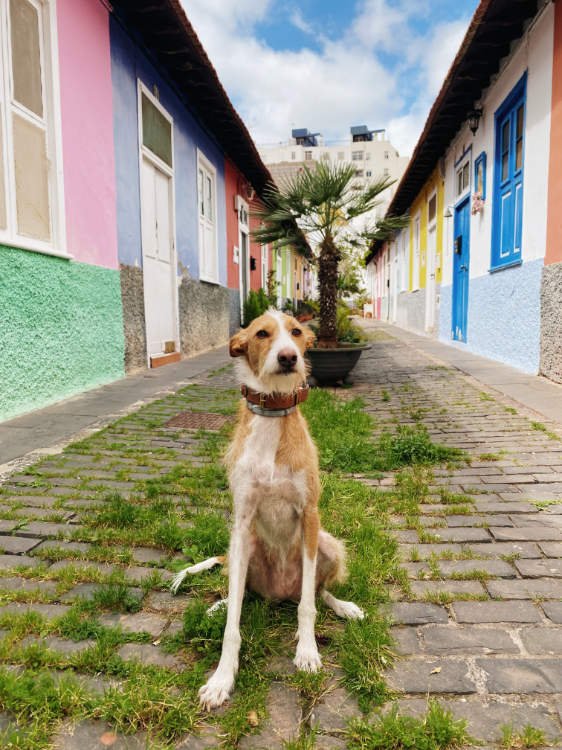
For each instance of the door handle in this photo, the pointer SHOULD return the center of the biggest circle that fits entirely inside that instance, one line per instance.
(464, 268)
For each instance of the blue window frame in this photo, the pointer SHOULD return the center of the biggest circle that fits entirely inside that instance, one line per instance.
(507, 215)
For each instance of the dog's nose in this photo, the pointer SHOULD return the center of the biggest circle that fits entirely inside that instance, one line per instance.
(287, 358)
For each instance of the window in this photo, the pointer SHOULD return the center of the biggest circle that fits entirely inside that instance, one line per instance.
(206, 196)
(264, 266)
(359, 173)
(386, 155)
(293, 156)
(507, 213)
(29, 191)
(480, 175)
(368, 173)
(367, 155)
(432, 209)
(386, 172)
(416, 259)
(463, 178)
(356, 155)
(308, 155)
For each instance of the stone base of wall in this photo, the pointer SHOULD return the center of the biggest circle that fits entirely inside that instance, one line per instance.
(134, 324)
(204, 315)
(234, 312)
(410, 310)
(551, 322)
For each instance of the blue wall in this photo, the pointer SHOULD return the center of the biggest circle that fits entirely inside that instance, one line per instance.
(129, 63)
(503, 316)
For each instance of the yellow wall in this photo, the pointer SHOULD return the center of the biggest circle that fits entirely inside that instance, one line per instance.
(419, 205)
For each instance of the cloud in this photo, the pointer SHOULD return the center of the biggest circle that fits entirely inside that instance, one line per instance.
(381, 70)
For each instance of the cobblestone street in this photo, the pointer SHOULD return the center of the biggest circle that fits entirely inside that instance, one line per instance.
(479, 625)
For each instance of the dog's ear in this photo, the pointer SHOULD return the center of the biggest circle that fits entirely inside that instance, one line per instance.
(238, 344)
(309, 336)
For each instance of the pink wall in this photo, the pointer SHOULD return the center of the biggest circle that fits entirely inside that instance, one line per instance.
(87, 131)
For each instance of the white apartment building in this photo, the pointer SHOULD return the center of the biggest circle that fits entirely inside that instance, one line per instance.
(370, 151)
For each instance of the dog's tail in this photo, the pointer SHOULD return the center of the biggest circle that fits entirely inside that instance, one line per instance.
(192, 569)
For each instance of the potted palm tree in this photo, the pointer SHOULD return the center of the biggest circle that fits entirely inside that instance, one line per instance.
(318, 213)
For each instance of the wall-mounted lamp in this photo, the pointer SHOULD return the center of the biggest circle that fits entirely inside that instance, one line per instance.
(473, 119)
(448, 213)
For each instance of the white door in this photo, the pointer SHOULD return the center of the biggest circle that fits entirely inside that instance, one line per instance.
(158, 252)
(430, 279)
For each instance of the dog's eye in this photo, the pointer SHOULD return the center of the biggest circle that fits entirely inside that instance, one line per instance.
(296, 332)
(262, 334)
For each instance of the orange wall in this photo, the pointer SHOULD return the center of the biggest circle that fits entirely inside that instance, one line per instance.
(554, 225)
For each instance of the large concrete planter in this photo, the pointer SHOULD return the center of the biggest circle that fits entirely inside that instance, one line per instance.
(334, 365)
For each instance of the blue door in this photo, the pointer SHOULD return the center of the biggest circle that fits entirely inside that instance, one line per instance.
(461, 265)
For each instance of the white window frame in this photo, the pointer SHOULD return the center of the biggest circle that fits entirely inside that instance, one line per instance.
(204, 164)
(416, 251)
(50, 83)
(264, 265)
(459, 168)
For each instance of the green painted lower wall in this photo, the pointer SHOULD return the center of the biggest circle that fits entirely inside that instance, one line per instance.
(61, 329)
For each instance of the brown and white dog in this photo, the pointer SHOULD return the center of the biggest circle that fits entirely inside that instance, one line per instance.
(277, 547)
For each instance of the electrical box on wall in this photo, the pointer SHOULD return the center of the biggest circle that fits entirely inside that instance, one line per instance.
(236, 254)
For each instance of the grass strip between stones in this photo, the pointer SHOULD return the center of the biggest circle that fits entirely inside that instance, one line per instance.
(185, 510)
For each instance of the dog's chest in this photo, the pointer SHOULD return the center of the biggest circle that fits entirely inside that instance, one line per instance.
(276, 493)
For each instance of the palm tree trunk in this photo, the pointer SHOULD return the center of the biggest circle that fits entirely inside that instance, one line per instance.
(328, 289)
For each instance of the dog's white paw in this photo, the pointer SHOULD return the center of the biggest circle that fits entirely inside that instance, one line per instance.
(349, 611)
(307, 658)
(215, 692)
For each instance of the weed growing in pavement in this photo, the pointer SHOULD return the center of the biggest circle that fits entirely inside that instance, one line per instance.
(528, 737)
(540, 427)
(437, 730)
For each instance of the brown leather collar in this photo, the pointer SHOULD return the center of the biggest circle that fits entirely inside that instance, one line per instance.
(275, 400)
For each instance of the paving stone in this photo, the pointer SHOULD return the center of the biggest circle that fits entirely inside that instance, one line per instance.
(151, 655)
(414, 613)
(543, 641)
(456, 588)
(36, 501)
(513, 506)
(45, 528)
(138, 574)
(553, 610)
(207, 737)
(7, 526)
(431, 675)
(328, 742)
(453, 639)
(282, 724)
(485, 716)
(17, 545)
(540, 568)
(480, 612)
(526, 533)
(23, 584)
(7, 562)
(405, 640)
(522, 675)
(61, 546)
(496, 520)
(140, 622)
(551, 549)
(60, 645)
(148, 554)
(532, 588)
(167, 603)
(334, 710)
(87, 590)
(495, 568)
(462, 535)
(96, 735)
(103, 568)
(49, 611)
(425, 551)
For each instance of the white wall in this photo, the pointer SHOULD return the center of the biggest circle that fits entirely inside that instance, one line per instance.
(533, 53)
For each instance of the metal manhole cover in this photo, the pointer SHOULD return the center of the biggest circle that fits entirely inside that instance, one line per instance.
(189, 420)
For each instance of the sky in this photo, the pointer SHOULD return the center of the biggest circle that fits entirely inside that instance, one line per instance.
(327, 65)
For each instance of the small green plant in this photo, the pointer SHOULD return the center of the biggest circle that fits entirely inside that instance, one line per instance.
(255, 305)
(529, 737)
(411, 445)
(437, 730)
(385, 395)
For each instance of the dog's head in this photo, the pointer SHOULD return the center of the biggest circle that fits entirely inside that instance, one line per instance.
(272, 351)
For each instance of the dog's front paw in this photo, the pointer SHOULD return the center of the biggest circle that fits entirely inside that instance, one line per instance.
(307, 658)
(215, 692)
(350, 611)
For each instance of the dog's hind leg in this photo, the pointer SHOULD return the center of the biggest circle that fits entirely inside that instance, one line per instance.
(193, 569)
(347, 610)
